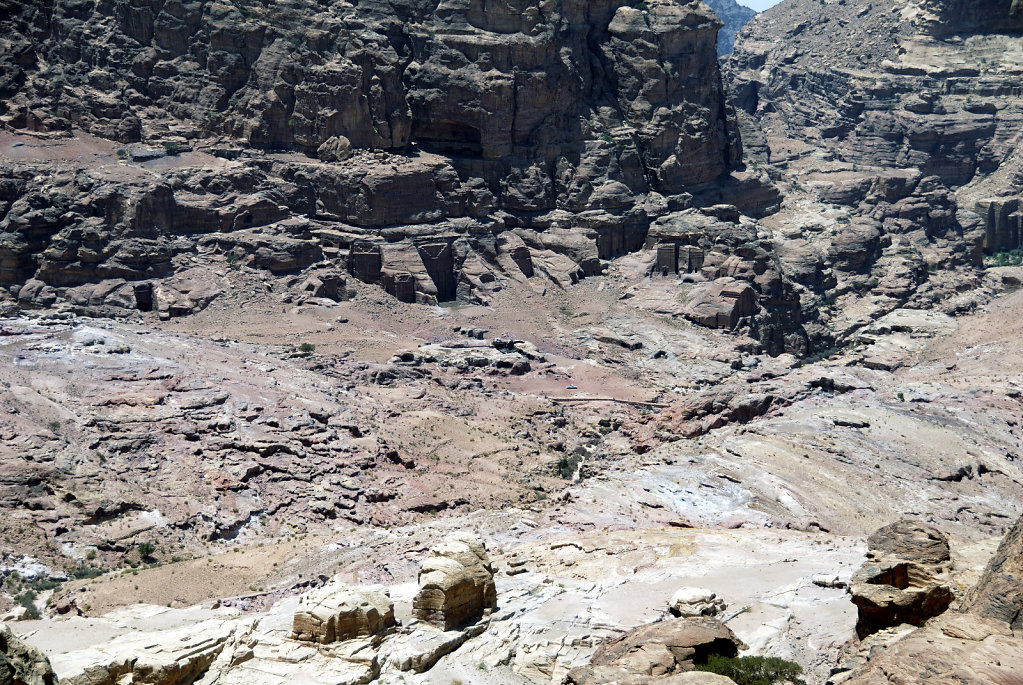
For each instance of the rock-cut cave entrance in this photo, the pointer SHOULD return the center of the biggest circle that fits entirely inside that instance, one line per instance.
(450, 138)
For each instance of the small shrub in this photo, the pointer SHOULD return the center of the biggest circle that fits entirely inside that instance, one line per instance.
(146, 549)
(54, 426)
(306, 348)
(232, 260)
(606, 137)
(171, 147)
(754, 670)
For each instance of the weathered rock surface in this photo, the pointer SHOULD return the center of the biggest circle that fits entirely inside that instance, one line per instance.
(999, 593)
(979, 644)
(911, 541)
(173, 657)
(924, 86)
(336, 614)
(456, 583)
(21, 664)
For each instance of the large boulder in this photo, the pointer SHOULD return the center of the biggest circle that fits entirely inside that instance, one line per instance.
(456, 583)
(665, 648)
(338, 613)
(911, 541)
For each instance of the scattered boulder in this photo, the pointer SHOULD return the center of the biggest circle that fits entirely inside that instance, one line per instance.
(335, 149)
(22, 664)
(456, 583)
(335, 614)
(327, 283)
(695, 601)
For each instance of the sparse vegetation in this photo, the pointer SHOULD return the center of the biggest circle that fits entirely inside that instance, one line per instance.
(1005, 258)
(171, 147)
(146, 549)
(306, 348)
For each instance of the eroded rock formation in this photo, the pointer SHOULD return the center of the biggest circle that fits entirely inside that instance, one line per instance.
(336, 614)
(900, 583)
(661, 649)
(456, 583)
(978, 644)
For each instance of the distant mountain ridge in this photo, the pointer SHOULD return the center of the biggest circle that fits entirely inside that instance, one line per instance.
(735, 17)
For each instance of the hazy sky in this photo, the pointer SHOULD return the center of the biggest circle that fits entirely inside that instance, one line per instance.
(759, 5)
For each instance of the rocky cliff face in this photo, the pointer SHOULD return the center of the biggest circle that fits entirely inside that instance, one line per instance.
(435, 150)
(928, 87)
(516, 88)
(734, 16)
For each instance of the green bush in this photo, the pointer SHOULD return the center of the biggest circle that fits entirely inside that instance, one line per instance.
(27, 599)
(567, 465)
(754, 670)
(146, 549)
(306, 348)
(171, 147)
(54, 426)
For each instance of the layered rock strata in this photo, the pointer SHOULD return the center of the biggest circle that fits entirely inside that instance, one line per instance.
(22, 664)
